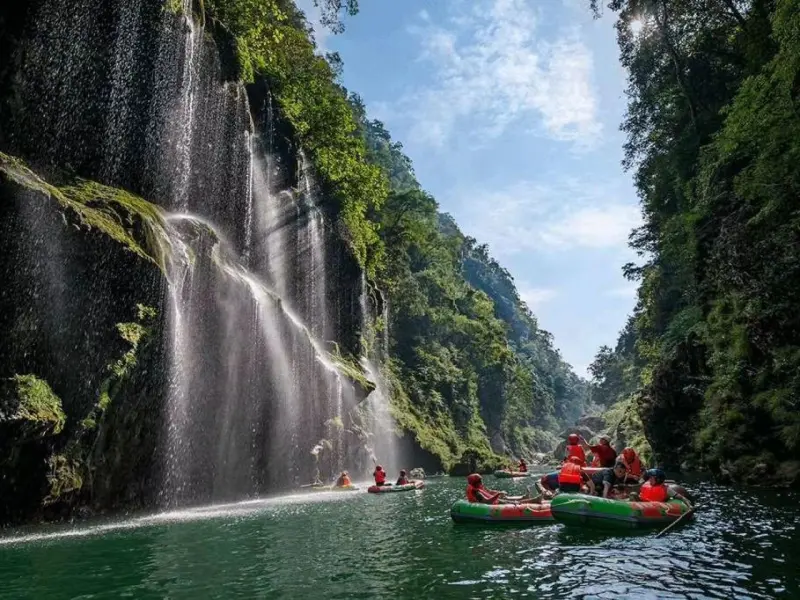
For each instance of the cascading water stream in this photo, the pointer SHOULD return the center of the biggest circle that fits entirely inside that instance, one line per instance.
(191, 57)
(376, 406)
(252, 318)
(130, 94)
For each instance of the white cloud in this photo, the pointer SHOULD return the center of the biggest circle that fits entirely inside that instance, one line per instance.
(423, 14)
(553, 216)
(492, 65)
(593, 227)
(535, 297)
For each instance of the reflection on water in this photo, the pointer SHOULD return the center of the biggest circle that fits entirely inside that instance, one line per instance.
(358, 545)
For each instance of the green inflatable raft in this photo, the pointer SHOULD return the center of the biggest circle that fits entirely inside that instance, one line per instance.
(505, 474)
(463, 511)
(388, 489)
(584, 510)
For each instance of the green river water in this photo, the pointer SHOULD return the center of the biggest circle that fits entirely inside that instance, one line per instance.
(744, 544)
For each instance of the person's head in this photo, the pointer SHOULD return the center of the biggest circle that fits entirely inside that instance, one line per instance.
(522, 460)
(344, 473)
(629, 454)
(402, 472)
(378, 468)
(657, 475)
(604, 440)
(572, 439)
(619, 469)
(474, 480)
(575, 460)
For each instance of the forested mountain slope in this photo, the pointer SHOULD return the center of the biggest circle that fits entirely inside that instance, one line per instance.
(469, 356)
(712, 353)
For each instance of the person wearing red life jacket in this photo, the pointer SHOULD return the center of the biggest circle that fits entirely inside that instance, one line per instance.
(477, 493)
(656, 490)
(633, 465)
(380, 475)
(523, 466)
(574, 448)
(344, 480)
(603, 455)
(571, 478)
(402, 480)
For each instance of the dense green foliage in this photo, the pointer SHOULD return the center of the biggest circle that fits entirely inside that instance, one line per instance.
(713, 129)
(274, 45)
(470, 362)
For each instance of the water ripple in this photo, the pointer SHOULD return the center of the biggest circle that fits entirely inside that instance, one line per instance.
(405, 545)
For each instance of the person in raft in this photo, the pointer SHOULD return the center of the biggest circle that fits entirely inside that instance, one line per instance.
(607, 480)
(603, 454)
(344, 480)
(402, 480)
(380, 475)
(633, 465)
(549, 484)
(477, 493)
(523, 466)
(571, 478)
(574, 448)
(656, 490)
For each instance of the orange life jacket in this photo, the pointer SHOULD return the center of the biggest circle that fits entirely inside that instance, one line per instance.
(523, 468)
(478, 494)
(380, 477)
(634, 467)
(570, 473)
(345, 481)
(576, 450)
(653, 493)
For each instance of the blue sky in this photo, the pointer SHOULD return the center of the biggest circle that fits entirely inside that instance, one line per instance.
(510, 110)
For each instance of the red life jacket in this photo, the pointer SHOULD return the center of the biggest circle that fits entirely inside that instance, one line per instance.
(653, 493)
(380, 477)
(478, 494)
(570, 473)
(576, 450)
(634, 467)
(523, 468)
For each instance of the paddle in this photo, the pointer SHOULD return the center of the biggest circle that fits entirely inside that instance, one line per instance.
(678, 520)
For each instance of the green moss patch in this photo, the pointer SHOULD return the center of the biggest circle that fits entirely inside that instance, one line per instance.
(32, 404)
(128, 219)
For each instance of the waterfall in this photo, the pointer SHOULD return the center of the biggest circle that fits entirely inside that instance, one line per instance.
(380, 422)
(130, 94)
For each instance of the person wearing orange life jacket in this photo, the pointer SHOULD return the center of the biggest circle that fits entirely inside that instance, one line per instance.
(656, 490)
(571, 477)
(344, 480)
(633, 465)
(380, 475)
(402, 480)
(574, 449)
(523, 466)
(477, 493)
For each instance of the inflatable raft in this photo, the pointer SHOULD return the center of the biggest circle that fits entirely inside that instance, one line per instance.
(384, 489)
(334, 488)
(463, 511)
(505, 474)
(581, 509)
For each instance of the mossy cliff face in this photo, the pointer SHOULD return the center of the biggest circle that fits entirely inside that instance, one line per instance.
(77, 259)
